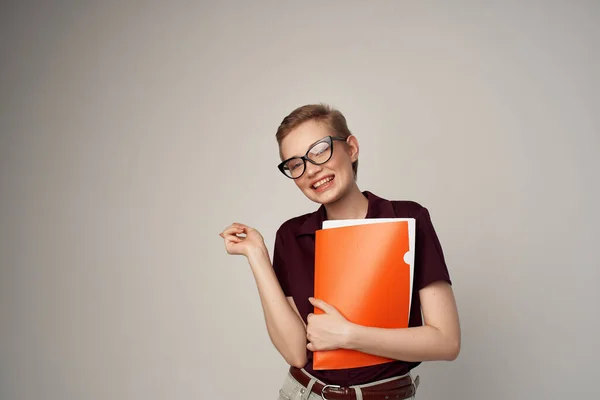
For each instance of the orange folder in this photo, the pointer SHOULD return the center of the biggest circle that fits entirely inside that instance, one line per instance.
(362, 271)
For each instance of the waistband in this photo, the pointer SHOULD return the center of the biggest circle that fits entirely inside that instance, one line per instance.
(395, 388)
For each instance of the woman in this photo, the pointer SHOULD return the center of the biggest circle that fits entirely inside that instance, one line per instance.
(320, 155)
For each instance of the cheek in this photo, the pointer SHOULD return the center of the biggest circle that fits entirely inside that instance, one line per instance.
(301, 183)
(341, 163)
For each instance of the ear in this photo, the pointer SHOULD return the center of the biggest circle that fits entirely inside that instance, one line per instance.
(352, 147)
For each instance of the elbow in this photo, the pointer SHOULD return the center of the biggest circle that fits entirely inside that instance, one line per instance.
(292, 350)
(453, 350)
(295, 356)
(297, 361)
(298, 365)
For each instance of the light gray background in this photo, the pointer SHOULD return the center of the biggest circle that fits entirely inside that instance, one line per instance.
(133, 133)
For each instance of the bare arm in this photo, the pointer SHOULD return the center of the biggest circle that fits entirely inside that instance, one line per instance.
(293, 305)
(437, 339)
(285, 327)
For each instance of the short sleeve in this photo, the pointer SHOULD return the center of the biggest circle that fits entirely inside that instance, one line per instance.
(430, 265)
(279, 264)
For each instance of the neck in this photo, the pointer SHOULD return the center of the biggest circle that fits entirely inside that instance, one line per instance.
(352, 205)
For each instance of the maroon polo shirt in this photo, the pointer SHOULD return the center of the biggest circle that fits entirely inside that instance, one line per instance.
(293, 262)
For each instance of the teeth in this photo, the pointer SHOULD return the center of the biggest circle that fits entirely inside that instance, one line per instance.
(322, 181)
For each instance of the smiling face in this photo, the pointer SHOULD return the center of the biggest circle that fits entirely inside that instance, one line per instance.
(328, 182)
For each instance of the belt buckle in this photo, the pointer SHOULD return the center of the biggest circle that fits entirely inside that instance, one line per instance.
(325, 387)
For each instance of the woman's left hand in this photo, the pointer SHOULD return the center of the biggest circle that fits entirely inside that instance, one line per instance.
(328, 331)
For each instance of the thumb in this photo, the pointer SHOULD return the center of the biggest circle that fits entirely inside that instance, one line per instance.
(329, 309)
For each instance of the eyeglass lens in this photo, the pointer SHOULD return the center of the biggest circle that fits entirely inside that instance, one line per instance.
(319, 153)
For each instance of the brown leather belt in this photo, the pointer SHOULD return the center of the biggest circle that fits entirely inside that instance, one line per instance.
(397, 389)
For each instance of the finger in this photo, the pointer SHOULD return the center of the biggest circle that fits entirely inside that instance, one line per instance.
(234, 248)
(245, 228)
(231, 235)
(232, 230)
(310, 347)
(322, 305)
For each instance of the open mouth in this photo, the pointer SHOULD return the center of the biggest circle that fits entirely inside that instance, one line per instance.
(323, 183)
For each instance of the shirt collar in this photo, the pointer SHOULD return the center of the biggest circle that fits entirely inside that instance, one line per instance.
(378, 208)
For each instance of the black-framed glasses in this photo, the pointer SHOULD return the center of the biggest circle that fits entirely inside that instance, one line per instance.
(319, 153)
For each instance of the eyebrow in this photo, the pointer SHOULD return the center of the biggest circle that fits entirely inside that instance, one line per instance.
(309, 146)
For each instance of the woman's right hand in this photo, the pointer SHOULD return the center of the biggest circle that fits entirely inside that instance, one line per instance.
(234, 244)
(284, 325)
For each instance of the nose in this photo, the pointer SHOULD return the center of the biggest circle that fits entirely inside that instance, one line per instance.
(312, 170)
